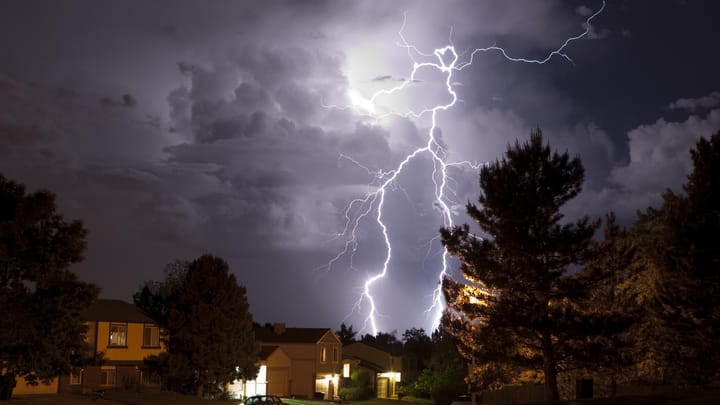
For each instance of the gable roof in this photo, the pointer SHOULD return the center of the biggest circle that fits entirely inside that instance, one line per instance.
(365, 363)
(266, 351)
(115, 311)
(393, 351)
(290, 335)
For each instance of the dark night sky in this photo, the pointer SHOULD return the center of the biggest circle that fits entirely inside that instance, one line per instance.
(225, 144)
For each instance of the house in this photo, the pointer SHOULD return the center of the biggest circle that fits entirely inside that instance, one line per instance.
(121, 335)
(274, 359)
(300, 362)
(384, 366)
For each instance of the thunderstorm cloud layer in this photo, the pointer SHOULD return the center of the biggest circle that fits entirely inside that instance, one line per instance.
(176, 129)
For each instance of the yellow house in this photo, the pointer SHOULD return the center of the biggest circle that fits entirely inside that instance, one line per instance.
(315, 361)
(124, 336)
(384, 366)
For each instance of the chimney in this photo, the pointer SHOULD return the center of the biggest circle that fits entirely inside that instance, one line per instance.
(279, 328)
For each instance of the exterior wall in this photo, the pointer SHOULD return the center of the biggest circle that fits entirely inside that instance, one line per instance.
(125, 361)
(374, 355)
(21, 387)
(302, 378)
(134, 351)
(306, 371)
(386, 382)
(333, 355)
(569, 384)
(278, 373)
(514, 394)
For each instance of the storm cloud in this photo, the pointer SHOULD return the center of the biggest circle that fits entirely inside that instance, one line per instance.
(176, 129)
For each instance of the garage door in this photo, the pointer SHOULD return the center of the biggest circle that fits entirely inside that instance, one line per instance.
(277, 381)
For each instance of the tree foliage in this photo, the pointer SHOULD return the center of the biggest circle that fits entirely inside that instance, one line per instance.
(443, 377)
(41, 330)
(418, 347)
(210, 340)
(154, 296)
(677, 280)
(387, 341)
(517, 310)
(346, 334)
(358, 388)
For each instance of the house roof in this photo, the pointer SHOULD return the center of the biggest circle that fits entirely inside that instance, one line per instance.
(365, 363)
(115, 311)
(290, 335)
(389, 350)
(266, 351)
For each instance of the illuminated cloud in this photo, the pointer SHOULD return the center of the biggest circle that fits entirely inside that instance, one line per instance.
(228, 147)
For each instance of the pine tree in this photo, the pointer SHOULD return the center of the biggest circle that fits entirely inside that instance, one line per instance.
(677, 282)
(609, 269)
(516, 309)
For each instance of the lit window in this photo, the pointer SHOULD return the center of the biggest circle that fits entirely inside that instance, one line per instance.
(108, 375)
(323, 354)
(76, 379)
(346, 370)
(335, 353)
(118, 334)
(151, 336)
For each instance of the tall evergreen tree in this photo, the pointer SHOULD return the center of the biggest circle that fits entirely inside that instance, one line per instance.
(678, 277)
(516, 309)
(41, 331)
(610, 268)
(211, 340)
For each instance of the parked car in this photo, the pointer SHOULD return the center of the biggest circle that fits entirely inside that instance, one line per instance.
(462, 400)
(264, 400)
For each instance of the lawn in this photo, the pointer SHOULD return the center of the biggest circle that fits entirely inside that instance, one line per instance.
(152, 397)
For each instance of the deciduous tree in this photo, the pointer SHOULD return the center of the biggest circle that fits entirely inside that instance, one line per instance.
(210, 329)
(41, 330)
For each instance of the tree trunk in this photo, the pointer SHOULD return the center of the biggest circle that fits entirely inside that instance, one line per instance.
(7, 384)
(199, 390)
(550, 369)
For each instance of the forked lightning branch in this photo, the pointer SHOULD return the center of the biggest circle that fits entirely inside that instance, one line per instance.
(371, 206)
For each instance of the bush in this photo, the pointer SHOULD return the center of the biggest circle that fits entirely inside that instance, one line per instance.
(355, 393)
(359, 388)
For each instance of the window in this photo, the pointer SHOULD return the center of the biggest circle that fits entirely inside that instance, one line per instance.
(151, 336)
(118, 334)
(335, 353)
(108, 375)
(323, 354)
(76, 379)
(346, 370)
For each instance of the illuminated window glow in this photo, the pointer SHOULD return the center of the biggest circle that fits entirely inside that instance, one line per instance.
(391, 375)
(346, 370)
(118, 335)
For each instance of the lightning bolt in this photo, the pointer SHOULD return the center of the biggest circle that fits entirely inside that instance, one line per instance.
(446, 61)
